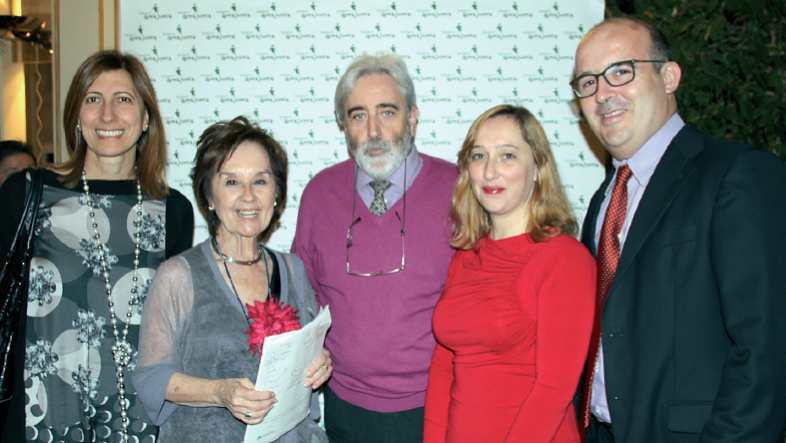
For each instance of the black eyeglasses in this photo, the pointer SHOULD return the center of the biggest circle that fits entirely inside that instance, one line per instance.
(618, 74)
(357, 220)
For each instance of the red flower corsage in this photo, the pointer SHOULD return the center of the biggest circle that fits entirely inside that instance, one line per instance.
(270, 317)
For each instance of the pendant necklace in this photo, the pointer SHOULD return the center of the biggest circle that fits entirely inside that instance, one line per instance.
(122, 350)
(226, 258)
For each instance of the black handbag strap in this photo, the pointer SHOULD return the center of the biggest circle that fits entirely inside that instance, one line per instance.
(20, 247)
(13, 281)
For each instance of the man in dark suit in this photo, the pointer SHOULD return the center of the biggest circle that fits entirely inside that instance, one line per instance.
(689, 235)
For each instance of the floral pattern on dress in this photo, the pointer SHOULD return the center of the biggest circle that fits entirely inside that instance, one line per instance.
(43, 221)
(97, 201)
(42, 286)
(91, 256)
(70, 376)
(40, 360)
(139, 298)
(152, 232)
(85, 385)
(89, 328)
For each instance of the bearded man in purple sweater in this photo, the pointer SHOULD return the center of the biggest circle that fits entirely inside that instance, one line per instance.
(373, 232)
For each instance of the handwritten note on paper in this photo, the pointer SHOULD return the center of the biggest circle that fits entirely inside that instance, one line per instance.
(285, 359)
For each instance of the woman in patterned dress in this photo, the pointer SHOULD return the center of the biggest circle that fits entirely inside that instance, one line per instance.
(106, 221)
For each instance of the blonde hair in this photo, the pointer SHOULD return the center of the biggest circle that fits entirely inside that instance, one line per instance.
(549, 209)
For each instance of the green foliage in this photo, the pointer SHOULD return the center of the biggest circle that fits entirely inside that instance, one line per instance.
(733, 59)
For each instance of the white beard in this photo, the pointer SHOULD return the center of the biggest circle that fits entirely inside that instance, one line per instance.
(382, 166)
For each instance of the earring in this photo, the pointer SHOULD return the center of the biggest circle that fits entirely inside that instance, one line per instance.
(210, 208)
(146, 126)
(275, 203)
(78, 126)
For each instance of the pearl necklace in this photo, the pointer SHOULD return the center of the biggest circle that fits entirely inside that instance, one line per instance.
(121, 350)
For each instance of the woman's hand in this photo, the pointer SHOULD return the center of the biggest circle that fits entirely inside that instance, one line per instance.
(245, 403)
(319, 371)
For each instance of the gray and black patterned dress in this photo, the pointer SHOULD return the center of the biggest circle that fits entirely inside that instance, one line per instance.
(67, 390)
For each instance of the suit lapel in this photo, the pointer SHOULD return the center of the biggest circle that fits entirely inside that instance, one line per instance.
(591, 218)
(673, 169)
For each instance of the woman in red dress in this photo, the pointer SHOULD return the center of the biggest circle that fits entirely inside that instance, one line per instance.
(514, 320)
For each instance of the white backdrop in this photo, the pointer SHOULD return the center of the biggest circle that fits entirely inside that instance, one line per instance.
(278, 62)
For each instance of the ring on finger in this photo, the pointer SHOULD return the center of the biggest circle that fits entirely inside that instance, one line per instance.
(248, 415)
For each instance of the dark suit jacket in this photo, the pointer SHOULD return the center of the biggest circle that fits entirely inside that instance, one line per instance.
(694, 327)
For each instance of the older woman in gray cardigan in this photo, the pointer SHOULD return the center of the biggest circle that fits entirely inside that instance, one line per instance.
(194, 371)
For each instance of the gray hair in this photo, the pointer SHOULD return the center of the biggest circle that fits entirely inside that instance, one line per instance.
(390, 64)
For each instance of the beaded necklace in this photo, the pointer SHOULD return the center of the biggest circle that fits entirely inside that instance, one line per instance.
(121, 350)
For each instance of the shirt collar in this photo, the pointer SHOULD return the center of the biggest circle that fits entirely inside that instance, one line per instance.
(642, 164)
(413, 164)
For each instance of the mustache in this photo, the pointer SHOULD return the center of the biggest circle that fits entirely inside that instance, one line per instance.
(375, 144)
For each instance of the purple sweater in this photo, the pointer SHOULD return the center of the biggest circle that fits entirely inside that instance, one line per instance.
(381, 340)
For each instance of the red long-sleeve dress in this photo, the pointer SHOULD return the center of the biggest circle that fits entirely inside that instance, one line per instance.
(513, 326)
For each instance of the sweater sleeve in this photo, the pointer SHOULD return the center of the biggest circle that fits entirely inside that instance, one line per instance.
(179, 224)
(169, 301)
(440, 378)
(565, 292)
(301, 243)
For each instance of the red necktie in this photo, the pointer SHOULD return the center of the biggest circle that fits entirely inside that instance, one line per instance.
(608, 256)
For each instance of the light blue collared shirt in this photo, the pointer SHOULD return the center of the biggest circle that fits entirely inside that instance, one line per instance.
(410, 168)
(642, 164)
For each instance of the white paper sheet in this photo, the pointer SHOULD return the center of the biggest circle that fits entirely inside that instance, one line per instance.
(285, 359)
